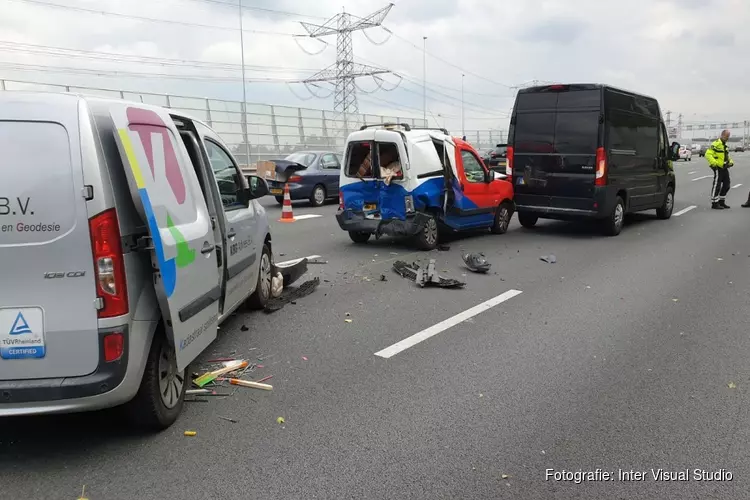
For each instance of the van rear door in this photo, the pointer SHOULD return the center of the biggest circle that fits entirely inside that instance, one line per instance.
(555, 133)
(166, 192)
(48, 318)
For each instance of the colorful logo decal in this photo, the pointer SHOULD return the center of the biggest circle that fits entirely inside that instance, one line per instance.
(148, 124)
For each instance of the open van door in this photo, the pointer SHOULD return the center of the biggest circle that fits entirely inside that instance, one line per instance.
(165, 190)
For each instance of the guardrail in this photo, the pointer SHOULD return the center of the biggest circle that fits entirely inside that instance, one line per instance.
(263, 131)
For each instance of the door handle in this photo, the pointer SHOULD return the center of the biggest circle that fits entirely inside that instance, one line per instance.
(231, 233)
(207, 248)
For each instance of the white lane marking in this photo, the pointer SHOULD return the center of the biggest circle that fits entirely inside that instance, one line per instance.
(444, 325)
(736, 186)
(307, 216)
(702, 177)
(691, 173)
(685, 210)
(294, 261)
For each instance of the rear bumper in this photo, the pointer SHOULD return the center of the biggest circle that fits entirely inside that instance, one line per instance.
(111, 384)
(556, 207)
(352, 221)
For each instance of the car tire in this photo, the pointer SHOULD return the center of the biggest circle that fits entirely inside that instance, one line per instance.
(150, 408)
(280, 200)
(664, 212)
(262, 293)
(359, 237)
(503, 215)
(614, 222)
(527, 220)
(318, 196)
(428, 237)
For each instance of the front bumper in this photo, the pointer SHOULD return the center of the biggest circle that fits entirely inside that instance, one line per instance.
(352, 221)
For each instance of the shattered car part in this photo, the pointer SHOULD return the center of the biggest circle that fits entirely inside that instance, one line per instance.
(305, 289)
(476, 262)
(550, 259)
(425, 277)
(292, 271)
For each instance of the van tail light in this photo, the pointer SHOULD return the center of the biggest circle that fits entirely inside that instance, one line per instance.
(109, 264)
(341, 200)
(114, 345)
(509, 161)
(601, 167)
(295, 178)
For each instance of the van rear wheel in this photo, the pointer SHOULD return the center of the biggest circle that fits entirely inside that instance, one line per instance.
(161, 396)
(614, 222)
(527, 220)
(427, 239)
(665, 210)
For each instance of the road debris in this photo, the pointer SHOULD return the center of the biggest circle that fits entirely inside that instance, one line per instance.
(506, 476)
(305, 289)
(277, 285)
(250, 384)
(317, 262)
(476, 262)
(211, 376)
(443, 247)
(732, 385)
(228, 419)
(267, 377)
(425, 277)
(304, 358)
(244, 328)
(280, 420)
(83, 494)
(549, 259)
(383, 278)
(347, 321)
(190, 433)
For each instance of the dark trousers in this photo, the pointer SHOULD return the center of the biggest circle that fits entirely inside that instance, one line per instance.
(720, 185)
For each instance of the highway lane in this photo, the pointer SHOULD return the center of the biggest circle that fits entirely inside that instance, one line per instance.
(617, 356)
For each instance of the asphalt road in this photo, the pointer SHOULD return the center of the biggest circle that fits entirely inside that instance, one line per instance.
(628, 353)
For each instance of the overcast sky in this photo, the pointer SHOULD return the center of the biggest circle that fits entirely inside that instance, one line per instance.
(687, 53)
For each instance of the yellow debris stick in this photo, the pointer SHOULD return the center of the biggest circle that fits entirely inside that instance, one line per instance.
(211, 376)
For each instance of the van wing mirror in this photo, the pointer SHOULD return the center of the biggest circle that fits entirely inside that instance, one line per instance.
(675, 151)
(258, 189)
(489, 176)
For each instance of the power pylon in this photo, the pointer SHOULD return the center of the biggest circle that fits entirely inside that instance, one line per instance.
(344, 71)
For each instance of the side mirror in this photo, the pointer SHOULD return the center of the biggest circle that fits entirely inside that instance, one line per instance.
(675, 150)
(258, 188)
(489, 176)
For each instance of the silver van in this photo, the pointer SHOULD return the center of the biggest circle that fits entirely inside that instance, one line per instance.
(127, 234)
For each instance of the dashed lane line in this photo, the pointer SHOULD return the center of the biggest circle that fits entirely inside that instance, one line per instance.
(685, 210)
(425, 334)
(736, 186)
(701, 177)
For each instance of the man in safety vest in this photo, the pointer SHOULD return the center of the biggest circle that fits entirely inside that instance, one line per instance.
(718, 159)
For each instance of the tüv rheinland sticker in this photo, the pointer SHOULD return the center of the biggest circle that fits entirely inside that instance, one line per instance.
(22, 333)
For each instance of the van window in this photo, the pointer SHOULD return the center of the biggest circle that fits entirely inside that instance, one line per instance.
(226, 174)
(633, 132)
(472, 168)
(359, 159)
(389, 160)
(572, 133)
(577, 133)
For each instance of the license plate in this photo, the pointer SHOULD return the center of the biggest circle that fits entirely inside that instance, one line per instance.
(277, 191)
(370, 206)
(22, 333)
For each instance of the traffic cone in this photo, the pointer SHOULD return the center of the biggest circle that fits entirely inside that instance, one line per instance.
(286, 210)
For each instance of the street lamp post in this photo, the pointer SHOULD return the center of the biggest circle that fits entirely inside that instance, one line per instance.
(244, 91)
(463, 124)
(424, 78)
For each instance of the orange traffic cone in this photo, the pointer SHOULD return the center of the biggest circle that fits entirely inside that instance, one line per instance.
(286, 210)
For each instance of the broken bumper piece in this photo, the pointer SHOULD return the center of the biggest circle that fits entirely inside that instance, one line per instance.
(350, 220)
(425, 277)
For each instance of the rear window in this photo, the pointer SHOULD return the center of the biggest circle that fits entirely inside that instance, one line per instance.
(572, 133)
(305, 159)
(530, 101)
(37, 191)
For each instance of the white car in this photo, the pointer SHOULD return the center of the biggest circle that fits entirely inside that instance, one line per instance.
(685, 153)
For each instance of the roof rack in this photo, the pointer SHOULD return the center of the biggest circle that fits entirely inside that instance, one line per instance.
(443, 130)
(406, 126)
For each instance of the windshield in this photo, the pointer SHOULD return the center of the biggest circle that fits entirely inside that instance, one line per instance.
(305, 159)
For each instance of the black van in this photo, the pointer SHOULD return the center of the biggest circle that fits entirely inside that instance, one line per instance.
(589, 151)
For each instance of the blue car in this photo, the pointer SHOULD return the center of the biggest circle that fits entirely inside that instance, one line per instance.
(314, 176)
